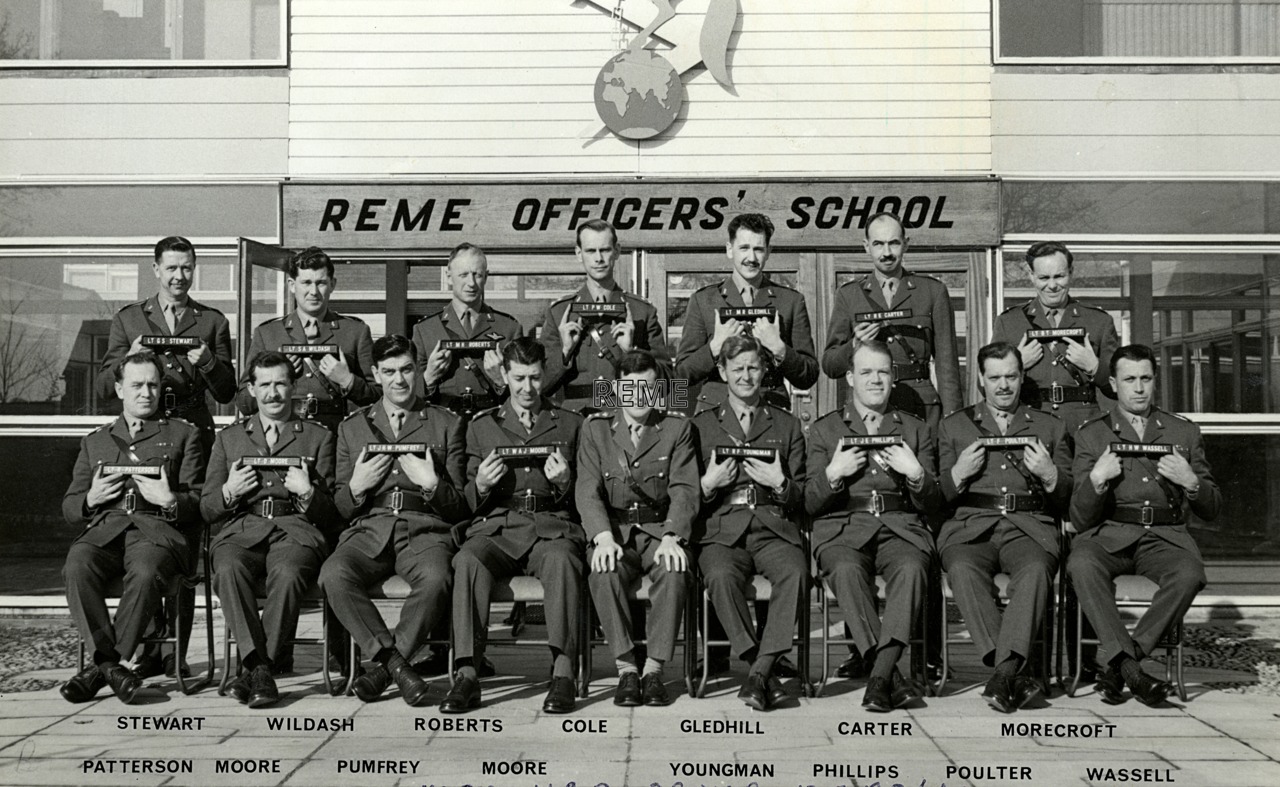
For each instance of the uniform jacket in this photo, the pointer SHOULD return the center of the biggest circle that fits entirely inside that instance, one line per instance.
(372, 527)
(349, 333)
(145, 318)
(694, 361)
(1012, 325)
(771, 428)
(245, 437)
(829, 509)
(928, 334)
(1000, 475)
(1139, 484)
(664, 466)
(170, 442)
(597, 359)
(516, 531)
(466, 370)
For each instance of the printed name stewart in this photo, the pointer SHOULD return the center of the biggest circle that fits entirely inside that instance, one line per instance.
(170, 341)
(1155, 775)
(896, 314)
(307, 724)
(746, 770)
(1146, 449)
(161, 723)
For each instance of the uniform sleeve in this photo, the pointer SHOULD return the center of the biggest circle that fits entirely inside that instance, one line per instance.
(945, 358)
(684, 492)
(570, 455)
(792, 497)
(818, 494)
(1005, 330)
(245, 403)
(73, 502)
(1087, 506)
(221, 377)
(1208, 502)
(212, 507)
(322, 511)
(589, 491)
(694, 361)
(1060, 497)
(929, 499)
(800, 364)
(837, 357)
(363, 389)
(1109, 343)
(118, 343)
(557, 367)
(190, 479)
(475, 501)
(448, 502)
(657, 340)
(948, 455)
(344, 466)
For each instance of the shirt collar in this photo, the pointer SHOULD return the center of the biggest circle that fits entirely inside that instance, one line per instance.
(391, 408)
(862, 410)
(881, 278)
(997, 413)
(740, 407)
(304, 318)
(740, 283)
(267, 421)
(460, 308)
(597, 291)
(182, 304)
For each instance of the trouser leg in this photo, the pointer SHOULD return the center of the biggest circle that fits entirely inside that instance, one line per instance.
(668, 593)
(148, 571)
(970, 568)
(783, 564)
(609, 593)
(478, 564)
(1030, 571)
(851, 573)
(345, 578)
(905, 569)
(430, 577)
(87, 573)
(557, 563)
(291, 571)
(1180, 575)
(726, 572)
(236, 570)
(1093, 571)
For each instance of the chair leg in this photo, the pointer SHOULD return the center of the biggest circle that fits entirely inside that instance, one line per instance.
(209, 644)
(324, 646)
(945, 642)
(585, 615)
(825, 606)
(353, 659)
(1181, 680)
(80, 659)
(690, 639)
(704, 624)
(1079, 648)
(806, 646)
(227, 639)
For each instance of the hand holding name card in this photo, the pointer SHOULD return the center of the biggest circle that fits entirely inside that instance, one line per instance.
(1177, 469)
(103, 488)
(720, 473)
(490, 472)
(200, 355)
(369, 472)
(1081, 355)
(420, 470)
(437, 366)
(766, 473)
(1031, 351)
(903, 460)
(1037, 459)
(241, 481)
(970, 463)
(769, 332)
(847, 460)
(1106, 468)
(337, 369)
(624, 334)
(298, 481)
(556, 469)
(569, 330)
(723, 330)
(156, 490)
(493, 366)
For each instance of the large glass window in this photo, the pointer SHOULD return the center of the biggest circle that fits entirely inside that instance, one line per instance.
(142, 32)
(1138, 30)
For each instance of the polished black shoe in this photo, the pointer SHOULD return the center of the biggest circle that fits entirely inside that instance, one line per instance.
(903, 692)
(148, 665)
(369, 686)
(783, 668)
(1110, 686)
(560, 697)
(415, 691)
(239, 688)
(999, 693)
(878, 697)
(85, 685)
(1148, 690)
(123, 682)
(1026, 690)
(654, 691)
(777, 694)
(262, 688)
(486, 668)
(852, 667)
(755, 692)
(169, 660)
(628, 693)
(463, 696)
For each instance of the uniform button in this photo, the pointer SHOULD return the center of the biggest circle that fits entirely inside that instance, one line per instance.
(1146, 502)
(874, 472)
(635, 464)
(1055, 363)
(395, 472)
(662, 474)
(308, 374)
(891, 340)
(1004, 467)
(1004, 489)
(600, 355)
(270, 483)
(1055, 407)
(1146, 527)
(1145, 479)
(169, 365)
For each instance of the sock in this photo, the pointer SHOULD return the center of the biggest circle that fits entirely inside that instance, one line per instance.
(466, 668)
(652, 666)
(886, 658)
(625, 663)
(251, 662)
(1009, 667)
(763, 665)
(563, 666)
(1128, 667)
(101, 658)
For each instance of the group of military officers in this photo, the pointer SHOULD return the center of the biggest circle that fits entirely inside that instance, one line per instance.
(473, 452)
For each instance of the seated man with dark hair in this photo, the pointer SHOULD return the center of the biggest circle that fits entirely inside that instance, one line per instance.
(136, 491)
(520, 489)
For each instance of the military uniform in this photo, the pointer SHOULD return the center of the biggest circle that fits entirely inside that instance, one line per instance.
(569, 382)
(928, 334)
(982, 539)
(695, 363)
(129, 535)
(465, 389)
(873, 524)
(640, 493)
(268, 535)
(184, 385)
(524, 523)
(1138, 525)
(747, 529)
(395, 529)
(314, 395)
(1054, 384)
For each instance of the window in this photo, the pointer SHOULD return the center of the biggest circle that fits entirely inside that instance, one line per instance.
(1144, 31)
(141, 32)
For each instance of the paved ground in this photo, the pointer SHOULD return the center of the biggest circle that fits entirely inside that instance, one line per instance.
(1220, 737)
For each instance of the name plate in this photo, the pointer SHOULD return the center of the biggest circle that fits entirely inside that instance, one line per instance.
(870, 441)
(745, 452)
(525, 451)
(170, 341)
(464, 345)
(1142, 449)
(1006, 442)
(614, 311)
(746, 313)
(1054, 334)
(272, 461)
(151, 471)
(895, 314)
(309, 349)
(395, 449)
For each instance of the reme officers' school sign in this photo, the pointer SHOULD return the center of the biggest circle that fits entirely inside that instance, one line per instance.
(809, 214)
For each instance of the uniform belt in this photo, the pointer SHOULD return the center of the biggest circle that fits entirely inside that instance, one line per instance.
(468, 402)
(876, 503)
(134, 503)
(1147, 515)
(579, 391)
(530, 503)
(1057, 394)
(272, 507)
(304, 406)
(402, 500)
(910, 371)
(751, 496)
(1005, 504)
(637, 514)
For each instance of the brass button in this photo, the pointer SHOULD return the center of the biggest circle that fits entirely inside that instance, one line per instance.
(1055, 407)
(1145, 479)
(891, 340)
(874, 472)
(1004, 489)
(1004, 467)
(635, 464)
(395, 472)
(270, 483)
(1146, 502)
(1055, 363)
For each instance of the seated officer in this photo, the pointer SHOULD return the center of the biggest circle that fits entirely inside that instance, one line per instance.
(522, 523)
(399, 483)
(136, 523)
(637, 492)
(1006, 502)
(751, 506)
(1138, 469)
(268, 487)
(868, 509)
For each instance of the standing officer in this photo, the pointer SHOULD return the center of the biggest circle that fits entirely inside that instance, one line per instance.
(465, 380)
(637, 492)
(1006, 502)
(325, 382)
(583, 347)
(269, 486)
(868, 506)
(909, 312)
(1065, 372)
(193, 342)
(751, 506)
(520, 489)
(787, 336)
(136, 491)
(1139, 469)
(400, 466)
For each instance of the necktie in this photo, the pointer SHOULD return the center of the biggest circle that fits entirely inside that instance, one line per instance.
(467, 322)
(1002, 421)
(745, 418)
(310, 329)
(636, 430)
(748, 295)
(1054, 316)
(134, 427)
(872, 420)
(397, 420)
(526, 420)
(171, 316)
(1139, 425)
(888, 288)
(272, 435)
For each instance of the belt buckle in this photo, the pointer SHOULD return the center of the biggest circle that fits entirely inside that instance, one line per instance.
(1148, 515)
(1010, 503)
(529, 502)
(468, 398)
(130, 501)
(313, 405)
(170, 401)
(269, 508)
(397, 501)
(877, 502)
(633, 514)
(1056, 394)
(751, 496)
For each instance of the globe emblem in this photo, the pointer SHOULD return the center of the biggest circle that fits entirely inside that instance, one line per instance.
(638, 94)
